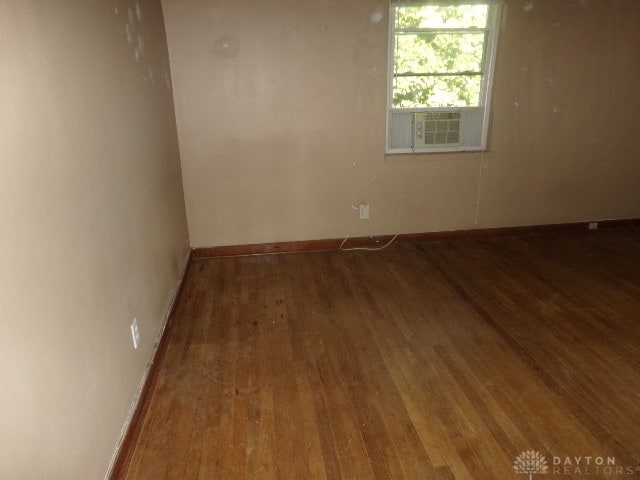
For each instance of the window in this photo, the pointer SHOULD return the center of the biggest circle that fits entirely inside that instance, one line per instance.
(441, 60)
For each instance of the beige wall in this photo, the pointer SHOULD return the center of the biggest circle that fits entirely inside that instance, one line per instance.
(281, 139)
(92, 232)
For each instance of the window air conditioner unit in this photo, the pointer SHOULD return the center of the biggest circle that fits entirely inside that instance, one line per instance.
(433, 130)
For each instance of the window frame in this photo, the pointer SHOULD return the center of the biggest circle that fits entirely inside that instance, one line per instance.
(489, 59)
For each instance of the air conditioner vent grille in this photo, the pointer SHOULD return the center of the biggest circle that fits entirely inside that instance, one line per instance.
(400, 131)
(441, 128)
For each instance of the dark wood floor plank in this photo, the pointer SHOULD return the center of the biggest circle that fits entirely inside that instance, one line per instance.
(443, 361)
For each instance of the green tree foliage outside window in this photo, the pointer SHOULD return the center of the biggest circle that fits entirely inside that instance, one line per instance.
(439, 55)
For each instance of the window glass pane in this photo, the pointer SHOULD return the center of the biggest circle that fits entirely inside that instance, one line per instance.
(461, 16)
(441, 91)
(439, 52)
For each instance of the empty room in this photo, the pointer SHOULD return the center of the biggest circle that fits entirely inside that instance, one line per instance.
(348, 239)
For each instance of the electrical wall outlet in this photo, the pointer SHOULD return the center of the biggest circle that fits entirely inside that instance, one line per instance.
(593, 225)
(135, 335)
(364, 210)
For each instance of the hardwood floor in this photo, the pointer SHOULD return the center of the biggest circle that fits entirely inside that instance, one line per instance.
(433, 361)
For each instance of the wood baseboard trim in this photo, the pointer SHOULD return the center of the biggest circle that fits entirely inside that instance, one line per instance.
(378, 241)
(125, 450)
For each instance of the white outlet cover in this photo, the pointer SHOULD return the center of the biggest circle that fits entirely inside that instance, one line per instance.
(364, 211)
(135, 334)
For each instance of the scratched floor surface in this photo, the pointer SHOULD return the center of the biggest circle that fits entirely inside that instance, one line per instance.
(434, 361)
